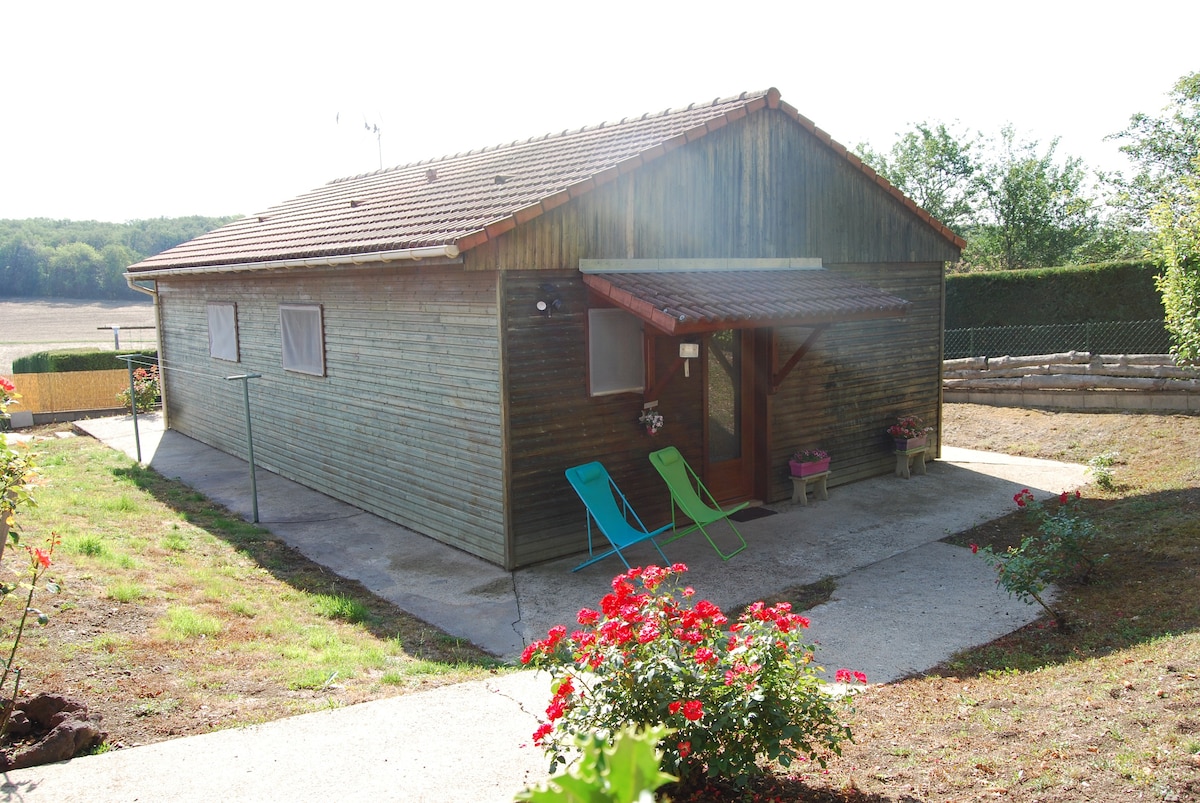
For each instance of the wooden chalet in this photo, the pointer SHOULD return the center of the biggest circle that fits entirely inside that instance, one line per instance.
(438, 342)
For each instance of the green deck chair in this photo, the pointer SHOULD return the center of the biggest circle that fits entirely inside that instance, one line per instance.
(596, 488)
(686, 491)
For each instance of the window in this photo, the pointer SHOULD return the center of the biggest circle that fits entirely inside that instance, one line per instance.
(616, 360)
(222, 331)
(302, 333)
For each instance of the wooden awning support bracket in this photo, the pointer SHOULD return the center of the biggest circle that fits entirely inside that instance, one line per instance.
(777, 377)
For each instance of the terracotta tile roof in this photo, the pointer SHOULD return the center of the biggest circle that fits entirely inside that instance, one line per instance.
(683, 302)
(468, 198)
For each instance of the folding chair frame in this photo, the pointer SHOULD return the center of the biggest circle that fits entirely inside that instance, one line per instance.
(710, 511)
(628, 538)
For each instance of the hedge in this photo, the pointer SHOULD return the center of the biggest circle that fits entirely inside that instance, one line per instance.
(1108, 291)
(67, 360)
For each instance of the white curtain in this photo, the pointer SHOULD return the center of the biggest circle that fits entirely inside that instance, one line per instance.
(302, 336)
(222, 330)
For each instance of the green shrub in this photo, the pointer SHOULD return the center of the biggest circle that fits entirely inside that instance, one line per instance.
(1108, 291)
(145, 389)
(68, 360)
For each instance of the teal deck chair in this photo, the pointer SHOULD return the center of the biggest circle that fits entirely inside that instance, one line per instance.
(686, 490)
(599, 494)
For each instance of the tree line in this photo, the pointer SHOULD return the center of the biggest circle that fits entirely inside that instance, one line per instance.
(1022, 204)
(1019, 205)
(85, 259)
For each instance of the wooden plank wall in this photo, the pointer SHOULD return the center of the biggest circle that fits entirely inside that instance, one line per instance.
(554, 424)
(761, 187)
(406, 423)
(859, 377)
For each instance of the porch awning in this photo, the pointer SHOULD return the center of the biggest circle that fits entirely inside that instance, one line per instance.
(680, 301)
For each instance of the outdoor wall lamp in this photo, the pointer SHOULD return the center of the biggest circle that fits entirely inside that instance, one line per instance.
(549, 302)
(688, 352)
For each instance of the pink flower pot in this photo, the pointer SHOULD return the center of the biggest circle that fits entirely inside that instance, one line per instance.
(808, 469)
(908, 444)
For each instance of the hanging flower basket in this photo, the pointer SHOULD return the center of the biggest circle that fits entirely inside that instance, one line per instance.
(651, 419)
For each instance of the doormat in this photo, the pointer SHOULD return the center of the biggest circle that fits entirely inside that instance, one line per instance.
(751, 513)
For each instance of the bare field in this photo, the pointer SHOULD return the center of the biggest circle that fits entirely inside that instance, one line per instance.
(28, 326)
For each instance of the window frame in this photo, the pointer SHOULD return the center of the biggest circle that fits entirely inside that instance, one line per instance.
(609, 328)
(293, 318)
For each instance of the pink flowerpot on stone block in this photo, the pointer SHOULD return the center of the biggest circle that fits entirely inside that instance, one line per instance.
(808, 469)
(908, 444)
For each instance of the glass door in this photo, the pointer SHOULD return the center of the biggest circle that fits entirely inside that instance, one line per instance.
(729, 419)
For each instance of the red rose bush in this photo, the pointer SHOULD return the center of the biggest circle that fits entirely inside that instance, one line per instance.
(733, 694)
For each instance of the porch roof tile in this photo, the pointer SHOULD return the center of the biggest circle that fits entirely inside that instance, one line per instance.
(685, 302)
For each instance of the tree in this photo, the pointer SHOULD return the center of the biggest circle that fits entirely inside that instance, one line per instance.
(1165, 193)
(114, 259)
(85, 259)
(1163, 149)
(935, 167)
(1034, 211)
(1176, 221)
(74, 271)
(22, 262)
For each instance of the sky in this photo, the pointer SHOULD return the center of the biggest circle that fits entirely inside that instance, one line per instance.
(128, 110)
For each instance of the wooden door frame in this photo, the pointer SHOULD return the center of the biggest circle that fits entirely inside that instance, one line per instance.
(749, 478)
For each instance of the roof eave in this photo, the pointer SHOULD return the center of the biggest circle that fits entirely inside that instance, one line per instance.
(433, 252)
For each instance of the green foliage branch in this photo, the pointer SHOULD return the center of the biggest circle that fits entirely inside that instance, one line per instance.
(1163, 149)
(1177, 244)
(1164, 193)
(39, 563)
(18, 469)
(628, 770)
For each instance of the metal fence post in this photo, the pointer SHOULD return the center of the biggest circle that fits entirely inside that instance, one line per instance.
(249, 437)
(137, 438)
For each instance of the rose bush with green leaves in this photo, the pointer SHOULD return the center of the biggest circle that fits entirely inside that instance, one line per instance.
(1060, 551)
(733, 695)
(145, 389)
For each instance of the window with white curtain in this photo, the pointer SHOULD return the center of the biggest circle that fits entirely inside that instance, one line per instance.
(302, 333)
(223, 331)
(616, 360)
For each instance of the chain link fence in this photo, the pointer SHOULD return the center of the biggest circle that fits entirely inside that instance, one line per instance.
(1109, 337)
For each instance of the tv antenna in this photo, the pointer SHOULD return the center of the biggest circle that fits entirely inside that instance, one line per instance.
(370, 128)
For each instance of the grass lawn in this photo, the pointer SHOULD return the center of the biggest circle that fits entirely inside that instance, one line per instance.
(176, 617)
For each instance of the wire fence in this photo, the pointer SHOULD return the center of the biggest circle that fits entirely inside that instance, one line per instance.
(1107, 337)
